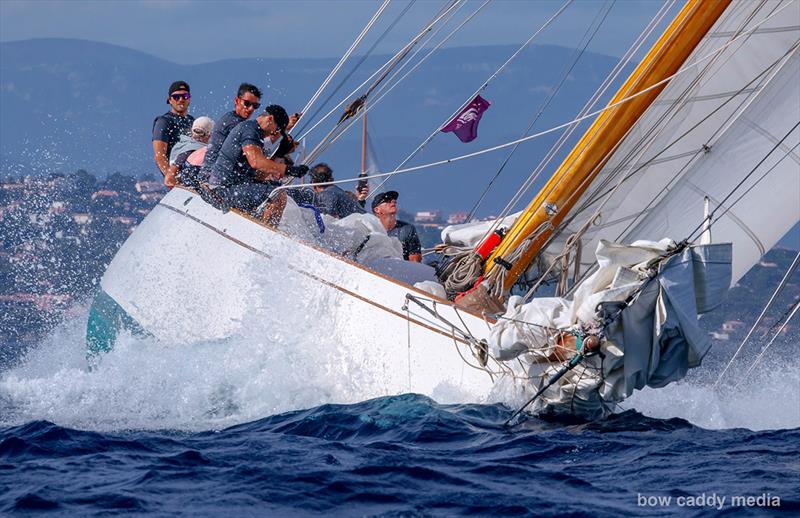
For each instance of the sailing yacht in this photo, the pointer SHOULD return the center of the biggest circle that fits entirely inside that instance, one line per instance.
(708, 118)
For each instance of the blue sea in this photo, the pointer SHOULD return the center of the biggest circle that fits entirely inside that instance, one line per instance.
(211, 430)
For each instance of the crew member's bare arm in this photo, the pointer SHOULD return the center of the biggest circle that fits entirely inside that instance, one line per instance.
(160, 156)
(267, 169)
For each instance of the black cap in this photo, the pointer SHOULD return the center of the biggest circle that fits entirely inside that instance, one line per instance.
(321, 173)
(384, 197)
(178, 85)
(279, 114)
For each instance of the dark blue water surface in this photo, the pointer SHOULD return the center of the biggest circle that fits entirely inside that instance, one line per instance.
(403, 455)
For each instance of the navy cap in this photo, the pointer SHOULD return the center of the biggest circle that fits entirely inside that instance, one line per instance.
(178, 85)
(383, 198)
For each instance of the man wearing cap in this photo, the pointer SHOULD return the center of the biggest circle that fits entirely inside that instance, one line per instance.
(384, 205)
(242, 176)
(331, 199)
(168, 128)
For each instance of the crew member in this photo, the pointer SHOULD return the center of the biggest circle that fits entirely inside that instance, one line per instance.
(384, 205)
(168, 128)
(243, 177)
(331, 199)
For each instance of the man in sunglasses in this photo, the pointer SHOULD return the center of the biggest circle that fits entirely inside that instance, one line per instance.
(242, 176)
(246, 102)
(168, 128)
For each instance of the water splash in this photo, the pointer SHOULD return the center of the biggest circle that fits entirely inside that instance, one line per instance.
(144, 384)
(768, 399)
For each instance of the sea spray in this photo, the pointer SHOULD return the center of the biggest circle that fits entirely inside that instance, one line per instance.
(768, 399)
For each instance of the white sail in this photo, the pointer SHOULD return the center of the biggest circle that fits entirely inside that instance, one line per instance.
(709, 128)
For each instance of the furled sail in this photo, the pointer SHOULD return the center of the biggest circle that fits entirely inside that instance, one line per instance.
(727, 128)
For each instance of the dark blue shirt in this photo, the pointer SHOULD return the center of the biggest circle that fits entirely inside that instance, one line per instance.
(335, 202)
(232, 167)
(220, 132)
(169, 128)
(407, 235)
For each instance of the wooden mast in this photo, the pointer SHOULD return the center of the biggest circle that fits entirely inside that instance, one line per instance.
(579, 168)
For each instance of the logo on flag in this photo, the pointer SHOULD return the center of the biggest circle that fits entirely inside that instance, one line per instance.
(465, 124)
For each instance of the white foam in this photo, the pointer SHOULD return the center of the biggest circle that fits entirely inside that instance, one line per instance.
(768, 399)
(143, 384)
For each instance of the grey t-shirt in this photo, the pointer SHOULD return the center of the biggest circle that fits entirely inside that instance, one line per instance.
(218, 135)
(408, 237)
(335, 202)
(169, 128)
(232, 167)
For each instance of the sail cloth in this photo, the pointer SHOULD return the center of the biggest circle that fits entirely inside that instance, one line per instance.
(704, 134)
(465, 124)
(359, 237)
(652, 342)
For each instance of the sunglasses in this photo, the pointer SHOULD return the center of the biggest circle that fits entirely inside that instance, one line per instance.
(178, 97)
(250, 104)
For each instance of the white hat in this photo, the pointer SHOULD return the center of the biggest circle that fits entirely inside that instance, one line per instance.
(203, 125)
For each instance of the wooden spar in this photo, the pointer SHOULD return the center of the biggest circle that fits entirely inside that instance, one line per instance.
(364, 143)
(586, 159)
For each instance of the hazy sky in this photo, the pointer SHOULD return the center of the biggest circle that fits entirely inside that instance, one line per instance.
(197, 31)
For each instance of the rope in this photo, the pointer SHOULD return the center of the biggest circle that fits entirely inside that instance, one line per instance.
(775, 295)
(458, 274)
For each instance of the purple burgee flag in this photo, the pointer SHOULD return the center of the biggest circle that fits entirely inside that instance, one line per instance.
(465, 125)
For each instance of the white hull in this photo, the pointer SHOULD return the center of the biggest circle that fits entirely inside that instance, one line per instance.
(190, 273)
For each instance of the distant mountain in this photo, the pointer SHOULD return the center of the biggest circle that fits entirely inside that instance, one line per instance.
(70, 104)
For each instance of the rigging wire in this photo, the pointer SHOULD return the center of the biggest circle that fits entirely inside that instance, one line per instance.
(338, 131)
(772, 299)
(344, 58)
(391, 62)
(539, 134)
(758, 359)
(360, 62)
(722, 129)
(675, 110)
(651, 137)
(593, 100)
(383, 93)
(479, 90)
(696, 153)
(672, 113)
(546, 103)
(721, 204)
